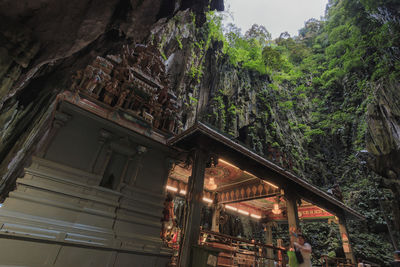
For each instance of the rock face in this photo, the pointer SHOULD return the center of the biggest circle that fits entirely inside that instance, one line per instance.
(257, 112)
(383, 140)
(237, 101)
(44, 42)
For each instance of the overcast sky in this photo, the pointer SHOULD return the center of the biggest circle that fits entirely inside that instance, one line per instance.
(276, 15)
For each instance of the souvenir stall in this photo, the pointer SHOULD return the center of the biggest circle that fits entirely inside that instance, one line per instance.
(248, 195)
(239, 214)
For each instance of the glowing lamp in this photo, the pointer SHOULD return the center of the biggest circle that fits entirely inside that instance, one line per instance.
(276, 210)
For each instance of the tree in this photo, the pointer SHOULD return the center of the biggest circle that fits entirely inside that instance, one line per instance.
(258, 32)
(272, 58)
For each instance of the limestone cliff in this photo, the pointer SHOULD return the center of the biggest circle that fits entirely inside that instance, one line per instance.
(272, 119)
(42, 43)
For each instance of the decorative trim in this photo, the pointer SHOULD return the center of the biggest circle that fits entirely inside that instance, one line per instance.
(38, 163)
(36, 185)
(62, 235)
(30, 198)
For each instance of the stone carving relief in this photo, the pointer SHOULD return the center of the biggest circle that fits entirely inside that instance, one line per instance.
(134, 81)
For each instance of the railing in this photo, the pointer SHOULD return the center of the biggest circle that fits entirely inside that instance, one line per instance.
(339, 262)
(334, 262)
(235, 251)
(370, 264)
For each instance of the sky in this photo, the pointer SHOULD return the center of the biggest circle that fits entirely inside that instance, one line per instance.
(276, 15)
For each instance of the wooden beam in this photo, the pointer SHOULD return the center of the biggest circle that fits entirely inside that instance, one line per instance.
(194, 204)
(348, 250)
(292, 213)
(247, 191)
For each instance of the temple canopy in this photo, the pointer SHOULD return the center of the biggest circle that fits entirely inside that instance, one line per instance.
(237, 178)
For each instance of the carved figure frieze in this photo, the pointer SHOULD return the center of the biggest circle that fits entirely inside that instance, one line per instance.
(134, 81)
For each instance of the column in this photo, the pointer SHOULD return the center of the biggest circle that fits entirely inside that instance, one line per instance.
(194, 205)
(216, 214)
(281, 258)
(348, 251)
(104, 136)
(293, 217)
(138, 163)
(60, 119)
(268, 239)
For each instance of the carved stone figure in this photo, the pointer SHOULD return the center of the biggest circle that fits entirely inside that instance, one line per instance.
(162, 96)
(121, 98)
(87, 75)
(104, 79)
(76, 79)
(93, 82)
(103, 64)
(147, 116)
(111, 90)
(157, 111)
(134, 81)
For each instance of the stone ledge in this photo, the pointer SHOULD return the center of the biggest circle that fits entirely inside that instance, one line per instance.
(39, 186)
(41, 164)
(131, 243)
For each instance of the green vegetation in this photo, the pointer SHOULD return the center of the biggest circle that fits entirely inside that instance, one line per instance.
(178, 39)
(314, 100)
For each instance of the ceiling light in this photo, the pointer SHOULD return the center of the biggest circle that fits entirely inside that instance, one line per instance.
(230, 208)
(171, 188)
(209, 200)
(243, 212)
(211, 184)
(276, 210)
(255, 216)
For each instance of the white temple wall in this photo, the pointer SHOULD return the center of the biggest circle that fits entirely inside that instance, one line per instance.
(75, 143)
(64, 211)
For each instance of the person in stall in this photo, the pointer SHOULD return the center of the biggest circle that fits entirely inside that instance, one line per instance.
(305, 250)
(168, 217)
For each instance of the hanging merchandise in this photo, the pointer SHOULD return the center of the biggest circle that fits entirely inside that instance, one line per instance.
(179, 209)
(206, 217)
(168, 217)
(292, 259)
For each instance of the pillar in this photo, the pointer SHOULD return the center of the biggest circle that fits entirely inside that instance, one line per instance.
(348, 251)
(194, 204)
(60, 119)
(281, 258)
(216, 215)
(104, 136)
(138, 163)
(268, 239)
(293, 217)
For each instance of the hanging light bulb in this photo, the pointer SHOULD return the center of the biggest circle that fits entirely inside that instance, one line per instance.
(211, 184)
(276, 209)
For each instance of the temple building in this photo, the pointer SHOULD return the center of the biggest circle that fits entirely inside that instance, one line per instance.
(118, 180)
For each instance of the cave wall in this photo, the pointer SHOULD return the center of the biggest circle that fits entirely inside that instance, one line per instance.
(42, 43)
